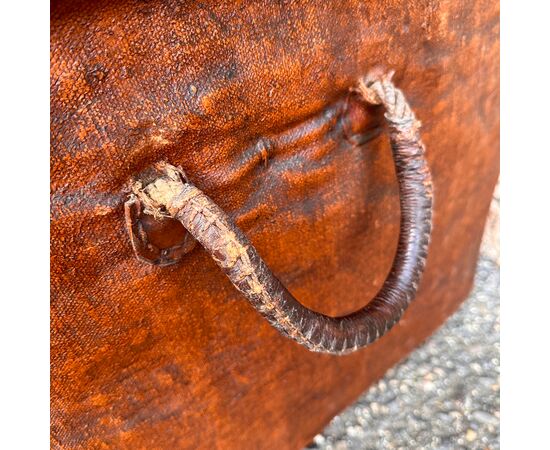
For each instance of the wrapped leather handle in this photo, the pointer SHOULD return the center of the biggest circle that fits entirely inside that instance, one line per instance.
(172, 194)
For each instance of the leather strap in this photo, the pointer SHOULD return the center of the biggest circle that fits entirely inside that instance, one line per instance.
(172, 194)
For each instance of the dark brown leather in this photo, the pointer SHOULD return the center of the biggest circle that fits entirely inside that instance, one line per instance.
(253, 100)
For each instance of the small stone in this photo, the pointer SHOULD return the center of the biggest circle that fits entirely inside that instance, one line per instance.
(429, 386)
(471, 435)
(319, 439)
(485, 418)
(476, 367)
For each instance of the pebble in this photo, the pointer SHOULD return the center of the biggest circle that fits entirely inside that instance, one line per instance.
(471, 435)
(485, 418)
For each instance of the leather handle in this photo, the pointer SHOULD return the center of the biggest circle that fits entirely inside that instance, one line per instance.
(174, 195)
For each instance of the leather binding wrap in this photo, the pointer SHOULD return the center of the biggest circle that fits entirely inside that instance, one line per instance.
(172, 194)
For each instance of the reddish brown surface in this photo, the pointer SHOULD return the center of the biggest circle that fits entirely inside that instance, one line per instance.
(252, 101)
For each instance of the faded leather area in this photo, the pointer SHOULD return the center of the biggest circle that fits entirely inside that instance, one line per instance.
(252, 100)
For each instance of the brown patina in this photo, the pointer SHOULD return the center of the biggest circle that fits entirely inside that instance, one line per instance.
(252, 99)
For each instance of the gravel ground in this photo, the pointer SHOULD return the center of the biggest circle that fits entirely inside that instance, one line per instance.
(445, 395)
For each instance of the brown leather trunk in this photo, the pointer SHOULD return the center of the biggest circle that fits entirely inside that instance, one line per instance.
(253, 101)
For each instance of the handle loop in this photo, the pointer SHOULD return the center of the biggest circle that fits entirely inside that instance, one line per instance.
(173, 195)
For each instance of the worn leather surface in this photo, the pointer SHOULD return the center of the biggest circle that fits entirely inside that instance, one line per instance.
(252, 100)
(171, 194)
